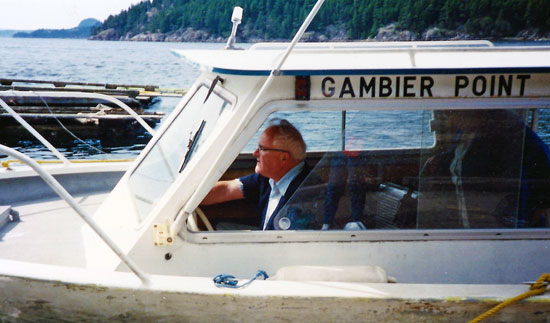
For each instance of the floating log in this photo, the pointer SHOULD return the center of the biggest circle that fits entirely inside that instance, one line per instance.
(131, 94)
(155, 117)
(71, 109)
(64, 84)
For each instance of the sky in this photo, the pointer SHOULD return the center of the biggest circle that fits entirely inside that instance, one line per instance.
(56, 14)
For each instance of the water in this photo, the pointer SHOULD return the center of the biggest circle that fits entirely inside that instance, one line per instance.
(98, 61)
(139, 63)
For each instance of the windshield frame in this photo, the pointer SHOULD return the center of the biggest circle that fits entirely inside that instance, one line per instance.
(189, 112)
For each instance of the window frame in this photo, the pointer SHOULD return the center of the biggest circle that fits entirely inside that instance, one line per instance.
(178, 111)
(239, 236)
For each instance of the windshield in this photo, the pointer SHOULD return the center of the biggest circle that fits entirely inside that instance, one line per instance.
(173, 151)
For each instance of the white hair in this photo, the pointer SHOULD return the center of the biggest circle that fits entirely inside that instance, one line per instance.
(287, 136)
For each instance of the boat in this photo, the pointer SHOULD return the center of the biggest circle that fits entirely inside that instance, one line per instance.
(150, 251)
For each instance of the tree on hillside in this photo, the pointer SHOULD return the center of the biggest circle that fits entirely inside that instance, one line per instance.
(360, 19)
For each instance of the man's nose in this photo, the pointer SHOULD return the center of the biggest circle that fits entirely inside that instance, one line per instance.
(256, 152)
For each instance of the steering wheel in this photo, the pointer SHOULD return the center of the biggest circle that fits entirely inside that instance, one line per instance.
(204, 219)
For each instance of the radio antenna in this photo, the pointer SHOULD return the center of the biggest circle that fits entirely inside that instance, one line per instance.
(236, 18)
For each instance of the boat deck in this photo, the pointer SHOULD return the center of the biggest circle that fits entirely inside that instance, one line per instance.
(48, 223)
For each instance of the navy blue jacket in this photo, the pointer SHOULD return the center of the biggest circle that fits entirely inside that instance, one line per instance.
(256, 189)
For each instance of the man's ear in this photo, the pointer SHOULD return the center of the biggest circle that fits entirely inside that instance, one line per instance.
(285, 156)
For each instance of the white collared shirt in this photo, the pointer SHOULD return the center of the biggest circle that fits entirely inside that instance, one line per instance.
(278, 190)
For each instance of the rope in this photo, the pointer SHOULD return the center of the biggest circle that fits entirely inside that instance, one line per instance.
(538, 288)
(65, 128)
(229, 281)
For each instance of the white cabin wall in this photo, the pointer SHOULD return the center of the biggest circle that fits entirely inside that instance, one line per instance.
(446, 262)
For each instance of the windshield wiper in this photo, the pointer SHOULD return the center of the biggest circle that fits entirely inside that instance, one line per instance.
(192, 144)
(212, 86)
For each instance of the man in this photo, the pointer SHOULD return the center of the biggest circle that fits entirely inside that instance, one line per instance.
(499, 172)
(280, 168)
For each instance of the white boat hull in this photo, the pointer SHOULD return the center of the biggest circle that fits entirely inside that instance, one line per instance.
(31, 292)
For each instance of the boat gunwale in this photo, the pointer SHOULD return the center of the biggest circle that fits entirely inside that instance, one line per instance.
(119, 280)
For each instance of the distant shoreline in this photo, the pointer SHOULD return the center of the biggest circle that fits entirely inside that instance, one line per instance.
(387, 33)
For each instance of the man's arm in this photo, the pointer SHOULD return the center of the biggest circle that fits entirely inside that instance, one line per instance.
(224, 191)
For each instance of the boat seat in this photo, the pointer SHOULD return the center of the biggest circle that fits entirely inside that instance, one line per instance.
(396, 207)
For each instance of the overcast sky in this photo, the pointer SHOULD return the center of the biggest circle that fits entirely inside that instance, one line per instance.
(56, 14)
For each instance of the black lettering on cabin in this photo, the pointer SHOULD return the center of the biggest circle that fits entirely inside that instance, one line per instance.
(365, 88)
(477, 90)
(492, 85)
(397, 84)
(385, 87)
(407, 85)
(347, 88)
(461, 82)
(426, 84)
(522, 79)
(502, 85)
(328, 91)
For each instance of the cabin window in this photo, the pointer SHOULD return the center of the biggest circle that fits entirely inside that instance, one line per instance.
(175, 148)
(462, 170)
(375, 129)
(416, 170)
(373, 141)
(492, 170)
(368, 151)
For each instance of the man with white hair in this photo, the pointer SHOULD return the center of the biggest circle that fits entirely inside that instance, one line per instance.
(280, 169)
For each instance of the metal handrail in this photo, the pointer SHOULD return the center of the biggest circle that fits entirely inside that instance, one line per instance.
(380, 45)
(60, 190)
(43, 140)
(35, 133)
(122, 105)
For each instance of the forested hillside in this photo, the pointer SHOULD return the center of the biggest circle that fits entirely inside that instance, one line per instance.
(337, 19)
(81, 31)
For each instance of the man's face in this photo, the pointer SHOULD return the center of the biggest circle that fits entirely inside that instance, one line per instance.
(269, 162)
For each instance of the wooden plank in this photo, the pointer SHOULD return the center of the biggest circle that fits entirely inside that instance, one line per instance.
(35, 100)
(156, 116)
(65, 83)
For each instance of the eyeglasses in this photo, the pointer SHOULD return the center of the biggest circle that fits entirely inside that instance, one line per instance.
(261, 148)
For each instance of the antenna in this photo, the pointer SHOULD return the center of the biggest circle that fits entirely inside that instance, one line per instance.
(236, 18)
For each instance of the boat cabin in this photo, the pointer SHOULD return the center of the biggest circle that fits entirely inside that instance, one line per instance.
(427, 159)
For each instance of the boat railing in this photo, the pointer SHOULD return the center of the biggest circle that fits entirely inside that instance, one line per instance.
(374, 45)
(47, 94)
(60, 190)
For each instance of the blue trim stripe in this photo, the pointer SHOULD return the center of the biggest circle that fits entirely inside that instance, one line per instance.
(405, 71)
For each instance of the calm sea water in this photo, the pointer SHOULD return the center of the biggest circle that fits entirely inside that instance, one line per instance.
(141, 63)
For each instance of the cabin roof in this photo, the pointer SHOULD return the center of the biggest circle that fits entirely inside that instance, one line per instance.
(374, 58)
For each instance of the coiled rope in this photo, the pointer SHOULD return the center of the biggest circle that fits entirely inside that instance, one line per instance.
(229, 281)
(538, 288)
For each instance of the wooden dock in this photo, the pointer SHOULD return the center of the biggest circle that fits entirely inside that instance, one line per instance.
(131, 94)
(60, 117)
